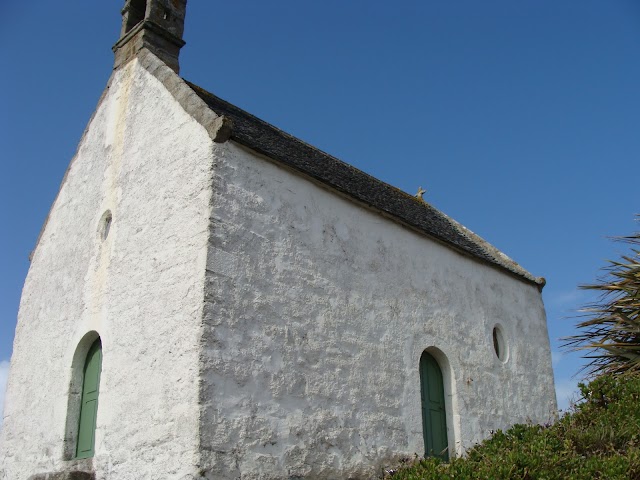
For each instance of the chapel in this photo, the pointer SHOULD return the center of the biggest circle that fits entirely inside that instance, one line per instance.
(212, 298)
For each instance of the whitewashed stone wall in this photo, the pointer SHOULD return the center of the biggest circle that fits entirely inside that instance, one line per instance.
(144, 159)
(317, 313)
(254, 325)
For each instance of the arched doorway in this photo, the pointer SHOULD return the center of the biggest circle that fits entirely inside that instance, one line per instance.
(89, 401)
(434, 415)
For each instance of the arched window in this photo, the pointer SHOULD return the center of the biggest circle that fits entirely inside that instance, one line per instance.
(89, 401)
(136, 13)
(434, 415)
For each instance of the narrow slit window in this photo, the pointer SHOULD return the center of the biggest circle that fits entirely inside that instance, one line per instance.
(499, 344)
(106, 225)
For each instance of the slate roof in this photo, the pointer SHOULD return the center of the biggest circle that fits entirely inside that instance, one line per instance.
(268, 140)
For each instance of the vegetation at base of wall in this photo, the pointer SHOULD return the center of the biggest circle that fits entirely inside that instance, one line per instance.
(598, 439)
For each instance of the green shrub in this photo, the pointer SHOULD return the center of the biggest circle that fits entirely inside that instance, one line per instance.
(598, 439)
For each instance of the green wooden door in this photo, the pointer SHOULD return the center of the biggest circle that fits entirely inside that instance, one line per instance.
(434, 416)
(89, 402)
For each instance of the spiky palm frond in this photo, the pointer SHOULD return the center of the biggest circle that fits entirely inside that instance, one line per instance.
(611, 330)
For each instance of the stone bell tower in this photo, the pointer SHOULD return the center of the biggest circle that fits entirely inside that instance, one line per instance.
(156, 25)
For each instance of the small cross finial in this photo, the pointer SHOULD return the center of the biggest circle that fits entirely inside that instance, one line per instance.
(421, 192)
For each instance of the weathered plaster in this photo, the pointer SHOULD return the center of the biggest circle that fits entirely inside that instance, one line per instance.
(255, 324)
(317, 312)
(149, 162)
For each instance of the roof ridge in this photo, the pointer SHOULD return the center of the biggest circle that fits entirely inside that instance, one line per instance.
(266, 139)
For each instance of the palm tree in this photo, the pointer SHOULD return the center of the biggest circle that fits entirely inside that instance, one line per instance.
(611, 329)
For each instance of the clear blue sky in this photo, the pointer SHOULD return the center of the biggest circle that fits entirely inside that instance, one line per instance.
(520, 118)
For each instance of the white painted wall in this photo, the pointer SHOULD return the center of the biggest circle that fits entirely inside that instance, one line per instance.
(318, 311)
(146, 160)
